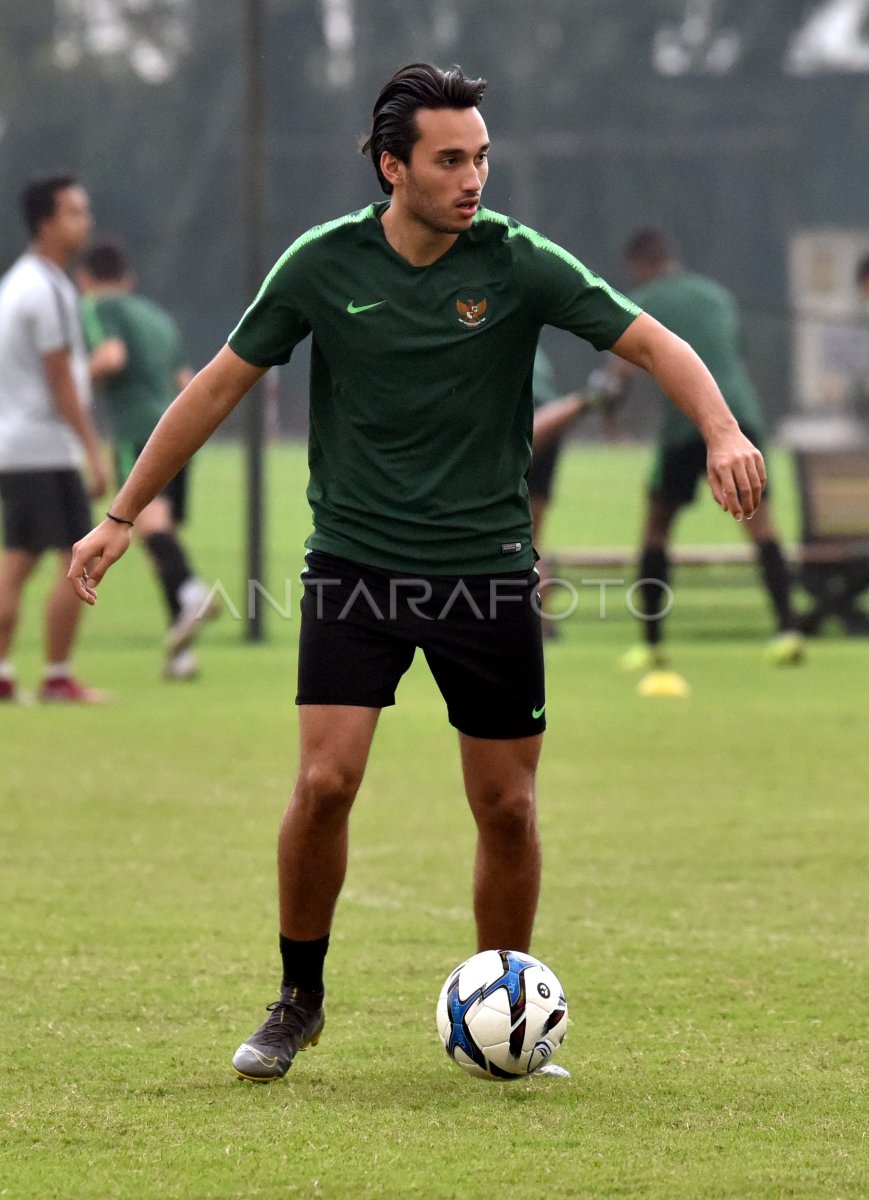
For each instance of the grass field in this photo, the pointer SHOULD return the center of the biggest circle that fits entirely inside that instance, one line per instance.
(704, 904)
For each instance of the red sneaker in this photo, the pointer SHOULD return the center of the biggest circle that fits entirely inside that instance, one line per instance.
(67, 691)
(8, 690)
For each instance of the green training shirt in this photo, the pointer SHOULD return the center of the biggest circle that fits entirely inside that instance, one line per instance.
(420, 394)
(137, 396)
(543, 383)
(705, 315)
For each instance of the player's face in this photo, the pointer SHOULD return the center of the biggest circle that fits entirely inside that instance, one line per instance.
(71, 223)
(442, 183)
(640, 272)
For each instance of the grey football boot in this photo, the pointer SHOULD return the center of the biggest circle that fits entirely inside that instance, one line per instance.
(294, 1023)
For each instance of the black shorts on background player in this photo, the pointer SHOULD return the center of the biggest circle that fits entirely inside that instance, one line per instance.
(43, 510)
(175, 490)
(678, 469)
(541, 473)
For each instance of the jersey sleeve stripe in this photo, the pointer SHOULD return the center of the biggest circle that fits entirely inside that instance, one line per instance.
(311, 235)
(514, 229)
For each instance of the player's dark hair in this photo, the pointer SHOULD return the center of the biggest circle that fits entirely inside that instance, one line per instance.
(39, 198)
(862, 273)
(419, 85)
(106, 260)
(650, 245)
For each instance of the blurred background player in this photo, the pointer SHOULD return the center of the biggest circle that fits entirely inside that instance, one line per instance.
(554, 414)
(861, 399)
(46, 431)
(863, 282)
(136, 360)
(705, 315)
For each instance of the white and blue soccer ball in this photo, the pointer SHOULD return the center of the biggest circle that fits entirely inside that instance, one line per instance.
(501, 1014)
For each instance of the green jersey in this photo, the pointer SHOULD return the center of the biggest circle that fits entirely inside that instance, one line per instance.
(420, 394)
(543, 383)
(705, 315)
(137, 396)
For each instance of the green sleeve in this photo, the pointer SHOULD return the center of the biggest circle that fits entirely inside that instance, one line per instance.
(96, 330)
(543, 384)
(568, 295)
(275, 323)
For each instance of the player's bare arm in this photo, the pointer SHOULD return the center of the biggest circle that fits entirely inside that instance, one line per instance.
(554, 419)
(185, 426)
(58, 372)
(736, 470)
(108, 358)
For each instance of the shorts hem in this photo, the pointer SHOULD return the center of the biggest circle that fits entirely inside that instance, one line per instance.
(37, 549)
(500, 735)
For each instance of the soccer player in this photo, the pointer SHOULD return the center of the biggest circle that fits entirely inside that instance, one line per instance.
(425, 311)
(136, 360)
(704, 314)
(861, 277)
(46, 432)
(554, 414)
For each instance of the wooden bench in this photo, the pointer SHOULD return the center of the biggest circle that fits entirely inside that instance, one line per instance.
(626, 556)
(831, 561)
(740, 554)
(834, 494)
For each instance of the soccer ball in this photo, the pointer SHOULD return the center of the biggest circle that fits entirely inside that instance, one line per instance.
(501, 1014)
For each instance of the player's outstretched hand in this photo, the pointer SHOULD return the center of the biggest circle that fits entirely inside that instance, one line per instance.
(737, 474)
(94, 554)
(605, 387)
(98, 474)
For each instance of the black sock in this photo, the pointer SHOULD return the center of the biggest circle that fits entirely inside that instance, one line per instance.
(777, 579)
(172, 566)
(303, 963)
(654, 566)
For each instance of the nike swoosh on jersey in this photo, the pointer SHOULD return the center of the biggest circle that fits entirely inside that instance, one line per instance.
(358, 308)
(536, 713)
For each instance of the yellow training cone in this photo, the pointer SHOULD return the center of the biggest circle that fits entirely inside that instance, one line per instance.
(663, 683)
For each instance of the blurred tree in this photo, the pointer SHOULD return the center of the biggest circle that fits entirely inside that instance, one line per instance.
(150, 36)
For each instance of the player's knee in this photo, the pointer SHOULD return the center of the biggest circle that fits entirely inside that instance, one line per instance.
(9, 605)
(326, 788)
(507, 812)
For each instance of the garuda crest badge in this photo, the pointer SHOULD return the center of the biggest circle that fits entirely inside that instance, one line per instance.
(472, 313)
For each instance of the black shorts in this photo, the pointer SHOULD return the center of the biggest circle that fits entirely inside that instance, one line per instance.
(175, 490)
(677, 469)
(480, 634)
(542, 470)
(44, 510)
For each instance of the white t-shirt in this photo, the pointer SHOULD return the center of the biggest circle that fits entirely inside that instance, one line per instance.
(38, 314)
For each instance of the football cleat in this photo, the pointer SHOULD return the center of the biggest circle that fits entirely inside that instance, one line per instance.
(786, 649)
(643, 658)
(183, 665)
(294, 1023)
(198, 605)
(66, 690)
(551, 1070)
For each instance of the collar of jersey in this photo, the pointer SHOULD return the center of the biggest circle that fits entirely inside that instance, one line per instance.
(380, 208)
